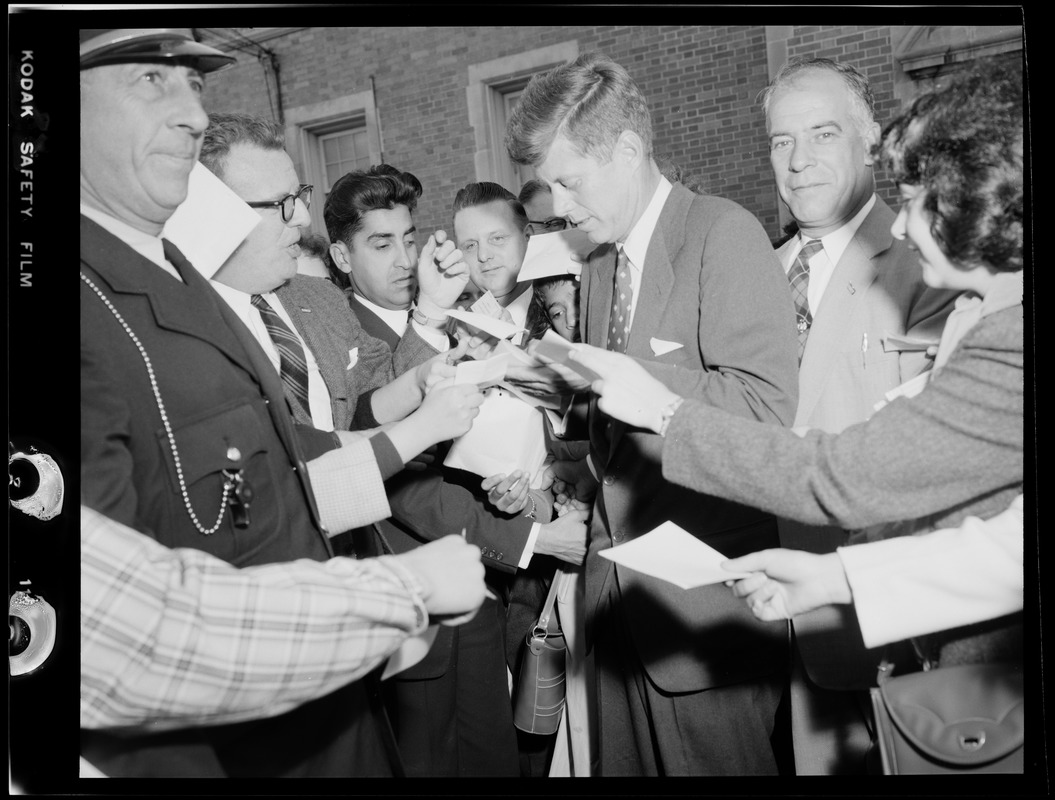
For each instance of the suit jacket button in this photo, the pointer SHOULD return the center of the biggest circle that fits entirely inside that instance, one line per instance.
(609, 480)
(617, 536)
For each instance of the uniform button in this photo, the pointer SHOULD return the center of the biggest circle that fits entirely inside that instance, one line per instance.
(609, 480)
(234, 454)
(267, 402)
(618, 536)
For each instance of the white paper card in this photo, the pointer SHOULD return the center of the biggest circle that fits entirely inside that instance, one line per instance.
(671, 553)
(559, 253)
(506, 436)
(487, 305)
(410, 652)
(483, 373)
(902, 344)
(210, 224)
(556, 348)
(498, 328)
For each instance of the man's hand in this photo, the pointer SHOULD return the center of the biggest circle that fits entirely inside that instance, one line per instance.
(627, 391)
(570, 480)
(442, 275)
(451, 574)
(789, 582)
(508, 494)
(564, 538)
(449, 409)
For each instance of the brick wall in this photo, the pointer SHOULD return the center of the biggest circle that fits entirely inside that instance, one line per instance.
(701, 82)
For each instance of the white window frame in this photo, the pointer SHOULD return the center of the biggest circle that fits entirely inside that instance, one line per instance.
(305, 125)
(488, 84)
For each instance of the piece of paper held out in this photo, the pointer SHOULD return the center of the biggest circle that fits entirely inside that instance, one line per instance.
(671, 553)
(211, 223)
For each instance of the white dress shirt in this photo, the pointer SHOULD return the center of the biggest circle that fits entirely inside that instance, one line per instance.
(822, 265)
(637, 240)
(397, 320)
(242, 305)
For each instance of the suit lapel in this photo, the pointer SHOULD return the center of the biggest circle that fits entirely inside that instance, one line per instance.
(194, 309)
(841, 304)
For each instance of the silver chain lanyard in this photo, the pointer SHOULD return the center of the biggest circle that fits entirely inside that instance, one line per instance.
(229, 481)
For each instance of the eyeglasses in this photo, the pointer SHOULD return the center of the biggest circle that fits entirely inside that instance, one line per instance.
(288, 204)
(546, 226)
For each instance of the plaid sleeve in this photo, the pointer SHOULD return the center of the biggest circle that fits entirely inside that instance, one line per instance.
(349, 488)
(178, 638)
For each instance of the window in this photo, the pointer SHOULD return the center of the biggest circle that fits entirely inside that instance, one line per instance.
(493, 91)
(342, 152)
(328, 139)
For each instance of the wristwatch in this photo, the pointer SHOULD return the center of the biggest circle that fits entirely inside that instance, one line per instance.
(667, 414)
(419, 317)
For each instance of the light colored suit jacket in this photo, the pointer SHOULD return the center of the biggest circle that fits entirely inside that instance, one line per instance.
(712, 285)
(875, 292)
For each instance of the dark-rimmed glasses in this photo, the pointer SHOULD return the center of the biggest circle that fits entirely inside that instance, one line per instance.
(288, 204)
(546, 226)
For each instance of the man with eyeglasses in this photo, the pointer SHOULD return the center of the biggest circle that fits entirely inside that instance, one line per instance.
(537, 199)
(185, 431)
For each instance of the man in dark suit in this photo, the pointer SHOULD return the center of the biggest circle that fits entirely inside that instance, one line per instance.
(186, 435)
(867, 324)
(687, 684)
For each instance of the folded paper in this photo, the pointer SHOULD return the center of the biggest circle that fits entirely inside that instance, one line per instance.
(498, 328)
(672, 554)
(353, 357)
(211, 223)
(506, 436)
(552, 254)
(483, 373)
(557, 348)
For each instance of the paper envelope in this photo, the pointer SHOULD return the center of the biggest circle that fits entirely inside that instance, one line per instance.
(559, 253)
(210, 224)
(671, 553)
(507, 435)
(557, 348)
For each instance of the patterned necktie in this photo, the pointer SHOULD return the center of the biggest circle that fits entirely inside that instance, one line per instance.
(293, 366)
(799, 277)
(619, 325)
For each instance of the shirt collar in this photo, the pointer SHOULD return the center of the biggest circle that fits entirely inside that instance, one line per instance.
(518, 309)
(396, 318)
(150, 247)
(1005, 292)
(636, 244)
(836, 242)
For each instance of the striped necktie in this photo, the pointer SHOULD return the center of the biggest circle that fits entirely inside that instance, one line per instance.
(293, 366)
(619, 324)
(799, 277)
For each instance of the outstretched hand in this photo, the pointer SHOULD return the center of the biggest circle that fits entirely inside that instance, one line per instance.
(786, 583)
(625, 388)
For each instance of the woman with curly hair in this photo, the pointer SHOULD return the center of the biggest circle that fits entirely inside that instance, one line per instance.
(928, 459)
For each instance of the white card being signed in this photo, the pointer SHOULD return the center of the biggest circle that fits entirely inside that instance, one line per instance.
(210, 224)
(552, 254)
(671, 553)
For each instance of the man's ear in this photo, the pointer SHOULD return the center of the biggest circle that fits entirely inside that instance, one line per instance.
(339, 254)
(630, 148)
(871, 139)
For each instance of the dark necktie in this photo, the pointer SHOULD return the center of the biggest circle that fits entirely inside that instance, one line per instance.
(799, 277)
(175, 258)
(293, 366)
(619, 326)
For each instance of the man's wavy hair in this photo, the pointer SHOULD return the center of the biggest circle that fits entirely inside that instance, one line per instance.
(589, 102)
(480, 194)
(227, 130)
(380, 187)
(962, 145)
(862, 99)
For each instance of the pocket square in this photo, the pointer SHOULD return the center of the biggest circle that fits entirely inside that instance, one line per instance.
(353, 357)
(659, 347)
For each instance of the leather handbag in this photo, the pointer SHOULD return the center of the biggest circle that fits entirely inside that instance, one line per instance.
(958, 719)
(539, 697)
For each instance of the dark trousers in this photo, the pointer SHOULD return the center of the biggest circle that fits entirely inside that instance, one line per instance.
(461, 723)
(643, 730)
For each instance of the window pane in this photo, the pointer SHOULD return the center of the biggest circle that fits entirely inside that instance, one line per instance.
(329, 150)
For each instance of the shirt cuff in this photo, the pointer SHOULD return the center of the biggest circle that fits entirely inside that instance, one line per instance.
(363, 418)
(529, 547)
(386, 455)
(435, 337)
